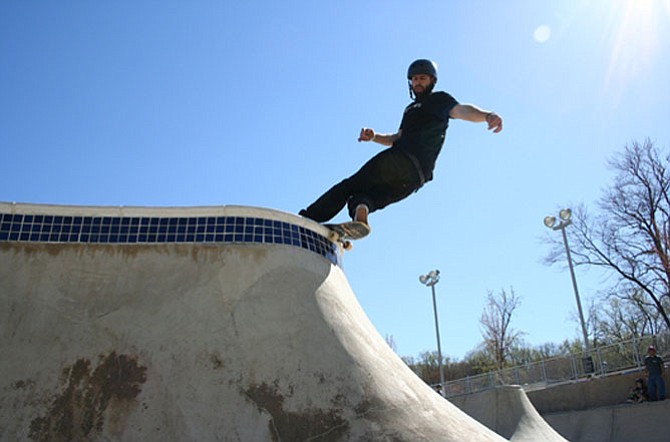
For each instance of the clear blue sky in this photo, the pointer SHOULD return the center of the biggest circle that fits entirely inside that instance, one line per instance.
(259, 103)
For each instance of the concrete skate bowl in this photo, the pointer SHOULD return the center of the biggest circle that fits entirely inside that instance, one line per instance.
(508, 411)
(195, 324)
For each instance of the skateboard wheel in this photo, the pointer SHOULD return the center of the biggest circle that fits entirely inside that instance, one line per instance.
(347, 245)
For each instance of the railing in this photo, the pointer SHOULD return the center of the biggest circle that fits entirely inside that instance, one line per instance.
(622, 356)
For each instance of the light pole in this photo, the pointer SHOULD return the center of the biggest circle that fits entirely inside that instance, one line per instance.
(550, 221)
(432, 278)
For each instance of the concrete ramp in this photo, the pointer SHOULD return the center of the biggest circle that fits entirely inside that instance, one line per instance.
(508, 411)
(200, 324)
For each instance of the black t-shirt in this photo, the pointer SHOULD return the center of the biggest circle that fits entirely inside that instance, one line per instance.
(424, 125)
(654, 365)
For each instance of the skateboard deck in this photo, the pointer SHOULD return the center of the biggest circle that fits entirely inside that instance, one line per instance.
(344, 232)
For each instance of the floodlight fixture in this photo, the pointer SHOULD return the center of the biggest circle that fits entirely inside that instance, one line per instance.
(550, 221)
(565, 214)
(430, 279)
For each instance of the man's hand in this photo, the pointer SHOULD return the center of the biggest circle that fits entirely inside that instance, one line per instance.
(367, 134)
(494, 121)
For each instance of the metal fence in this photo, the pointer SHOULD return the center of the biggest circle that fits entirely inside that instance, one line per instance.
(622, 356)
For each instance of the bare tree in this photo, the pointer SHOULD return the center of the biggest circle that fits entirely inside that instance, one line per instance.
(499, 337)
(619, 318)
(630, 236)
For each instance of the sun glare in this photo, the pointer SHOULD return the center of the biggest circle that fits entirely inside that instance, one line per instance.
(542, 33)
(634, 28)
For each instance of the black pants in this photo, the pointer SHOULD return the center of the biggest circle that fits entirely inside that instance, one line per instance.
(388, 177)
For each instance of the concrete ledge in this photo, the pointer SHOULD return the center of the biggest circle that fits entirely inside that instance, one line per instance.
(163, 225)
(620, 423)
(582, 395)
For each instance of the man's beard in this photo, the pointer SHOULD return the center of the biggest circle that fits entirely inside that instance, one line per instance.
(421, 94)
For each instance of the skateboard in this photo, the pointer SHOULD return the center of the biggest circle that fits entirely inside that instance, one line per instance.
(344, 232)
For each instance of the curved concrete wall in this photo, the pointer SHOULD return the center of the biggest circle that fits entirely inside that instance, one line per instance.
(508, 412)
(594, 410)
(646, 422)
(235, 341)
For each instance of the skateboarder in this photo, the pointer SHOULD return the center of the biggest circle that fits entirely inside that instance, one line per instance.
(397, 172)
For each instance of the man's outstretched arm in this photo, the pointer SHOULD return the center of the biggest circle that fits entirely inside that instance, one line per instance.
(470, 112)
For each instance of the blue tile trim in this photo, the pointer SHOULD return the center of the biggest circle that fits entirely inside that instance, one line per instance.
(161, 230)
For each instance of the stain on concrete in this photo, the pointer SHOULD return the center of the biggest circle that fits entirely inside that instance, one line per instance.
(217, 362)
(91, 398)
(197, 253)
(315, 425)
(23, 384)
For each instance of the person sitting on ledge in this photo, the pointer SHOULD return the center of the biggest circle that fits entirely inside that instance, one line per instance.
(638, 393)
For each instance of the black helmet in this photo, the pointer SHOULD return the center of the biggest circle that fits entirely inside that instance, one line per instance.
(422, 66)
